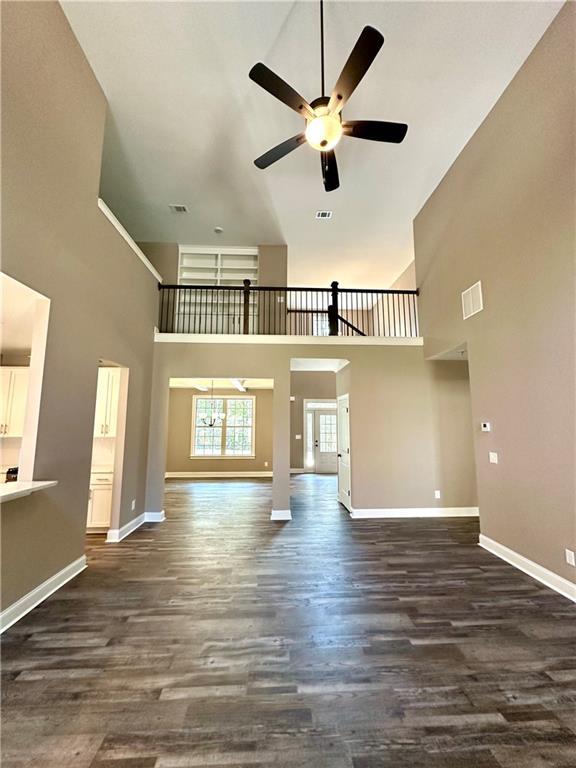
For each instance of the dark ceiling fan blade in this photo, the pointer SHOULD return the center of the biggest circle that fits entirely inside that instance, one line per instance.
(359, 61)
(329, 170)
(276, 153)
(375, 130)
(270, 81)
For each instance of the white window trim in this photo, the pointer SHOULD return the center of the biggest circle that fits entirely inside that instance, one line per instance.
(239, 396)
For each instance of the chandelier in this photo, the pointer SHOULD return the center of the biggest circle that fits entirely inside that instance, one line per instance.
(215, 417)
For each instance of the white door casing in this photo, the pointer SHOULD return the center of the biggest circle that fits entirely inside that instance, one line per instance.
(344, 475)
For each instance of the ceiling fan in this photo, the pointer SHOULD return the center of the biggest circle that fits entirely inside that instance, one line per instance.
(323, 116)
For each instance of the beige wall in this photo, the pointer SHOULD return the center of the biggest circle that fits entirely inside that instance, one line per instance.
(273, 265)
(56, 240)
(305, 385)
(272, 262)
(396, 402)
(410, 430)
(505, 214)
(180, 430)
(164, 256)
(407, 280)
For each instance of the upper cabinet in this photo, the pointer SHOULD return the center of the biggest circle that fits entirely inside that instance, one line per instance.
(106, 417)
(13, 394)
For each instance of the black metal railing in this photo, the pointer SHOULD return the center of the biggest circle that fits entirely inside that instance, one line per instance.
(250, 309)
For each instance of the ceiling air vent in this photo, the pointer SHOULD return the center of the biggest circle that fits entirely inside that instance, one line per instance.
(472, 300)
(323, 214)
(178, 208)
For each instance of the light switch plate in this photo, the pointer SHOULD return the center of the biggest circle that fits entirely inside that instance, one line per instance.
(297, 437)
(437, 495)
(493, 456)
(133, 504)
(570, 557)
(292, 398)
(485, 426)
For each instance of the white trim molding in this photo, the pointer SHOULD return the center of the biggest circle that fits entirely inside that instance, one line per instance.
(247, 473)
(543, 575)
(341, 341)
(25, 604)
(129, 240)
(409, 512)
(117, 534)
(281, 515)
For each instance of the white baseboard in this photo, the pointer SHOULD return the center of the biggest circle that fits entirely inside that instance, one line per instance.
(248, 473)
(25, 604)
(117, 534)
(298, 470)
(281, 514)
(543, 575)
(408, 512)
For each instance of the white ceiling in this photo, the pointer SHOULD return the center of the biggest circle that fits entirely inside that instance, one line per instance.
(186, 122)
(209, 384)
(17, 315)
(317, 364)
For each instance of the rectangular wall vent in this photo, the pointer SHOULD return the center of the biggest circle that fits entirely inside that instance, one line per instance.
(323, 214)
(472, 301)
(178, 208)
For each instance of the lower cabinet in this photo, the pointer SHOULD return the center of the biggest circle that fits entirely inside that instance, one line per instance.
(99, 505)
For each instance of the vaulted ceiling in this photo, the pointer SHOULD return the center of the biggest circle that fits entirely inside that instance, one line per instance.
(186, 123)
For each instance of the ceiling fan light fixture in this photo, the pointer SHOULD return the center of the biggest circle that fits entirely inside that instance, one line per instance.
(324, 132)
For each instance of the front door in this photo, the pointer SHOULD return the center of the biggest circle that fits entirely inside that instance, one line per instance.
(325, 441)
(344, 487)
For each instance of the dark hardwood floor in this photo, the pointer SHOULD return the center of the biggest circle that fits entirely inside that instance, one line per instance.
(221, 639)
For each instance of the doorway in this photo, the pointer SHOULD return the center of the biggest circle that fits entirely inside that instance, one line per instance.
(321, 435)
(104, 496)
(344, 475)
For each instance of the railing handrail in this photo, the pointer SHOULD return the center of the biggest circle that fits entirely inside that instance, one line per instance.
(162, 286)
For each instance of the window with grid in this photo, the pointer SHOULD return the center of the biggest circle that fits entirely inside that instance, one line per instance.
(328, 433)
(233, 433)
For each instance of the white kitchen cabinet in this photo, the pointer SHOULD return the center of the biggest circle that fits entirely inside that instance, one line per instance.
(106, 415)
(13, 395)
(100, 502)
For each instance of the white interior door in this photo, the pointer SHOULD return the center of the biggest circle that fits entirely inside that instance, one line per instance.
(344, 479)
(325, 441)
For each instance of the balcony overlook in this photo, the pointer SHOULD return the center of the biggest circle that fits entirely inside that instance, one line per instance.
(283, 311)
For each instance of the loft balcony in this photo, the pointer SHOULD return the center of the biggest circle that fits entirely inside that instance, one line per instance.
(254, 310)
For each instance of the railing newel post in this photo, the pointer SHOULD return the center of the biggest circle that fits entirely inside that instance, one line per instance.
(246, 292)
(333, 310)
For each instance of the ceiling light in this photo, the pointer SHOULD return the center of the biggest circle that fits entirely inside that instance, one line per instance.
(323, 214)
(324, 132)
(238, 384)
(178, 208)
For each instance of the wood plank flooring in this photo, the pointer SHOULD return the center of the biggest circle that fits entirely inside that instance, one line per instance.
(221, 639)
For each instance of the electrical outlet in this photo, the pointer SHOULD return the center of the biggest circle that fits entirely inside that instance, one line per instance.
(437, 495)
(570, 557)
(265, 463)
(493, 456)
(133, 504)
(298, 437)
(485, 426)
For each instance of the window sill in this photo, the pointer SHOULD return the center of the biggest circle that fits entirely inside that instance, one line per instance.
(210, 458)
(9, 491)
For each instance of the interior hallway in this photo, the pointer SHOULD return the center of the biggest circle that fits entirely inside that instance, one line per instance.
(221, 639)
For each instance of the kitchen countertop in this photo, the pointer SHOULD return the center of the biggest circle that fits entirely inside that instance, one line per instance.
(9, 491)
